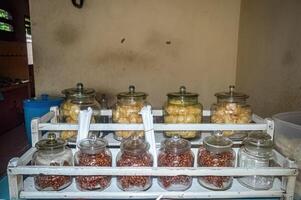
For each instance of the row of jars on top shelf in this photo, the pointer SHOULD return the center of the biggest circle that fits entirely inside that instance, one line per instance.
(181, 107)
(216, 151)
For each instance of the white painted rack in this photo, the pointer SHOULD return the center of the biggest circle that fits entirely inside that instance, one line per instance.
(21, 187)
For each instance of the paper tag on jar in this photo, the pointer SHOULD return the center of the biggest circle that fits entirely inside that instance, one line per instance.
(148, 123)
(84, 120)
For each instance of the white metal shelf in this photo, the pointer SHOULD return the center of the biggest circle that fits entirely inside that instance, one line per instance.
(17, 168)
(42, 124)
(113, 192)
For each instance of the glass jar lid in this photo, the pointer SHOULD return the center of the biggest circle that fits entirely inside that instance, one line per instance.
(231, 95)
(92, 145)
(134, 145)
(79, 91)
(259, 143)
(51, 143)
(175, 145)
(182, 94)
(131, 94)
(217, 143)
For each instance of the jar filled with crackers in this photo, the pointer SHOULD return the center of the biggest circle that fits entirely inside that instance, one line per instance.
(232, 108)
(77, 99)
(182, 107)
(127, 109)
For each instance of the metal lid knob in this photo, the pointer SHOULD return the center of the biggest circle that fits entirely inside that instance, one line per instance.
(132, 89)
(80, 86)
(182, 89)
(231, 89)
(51, 137)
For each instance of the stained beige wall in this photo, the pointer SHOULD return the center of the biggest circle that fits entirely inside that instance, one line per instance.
(269, 54)
(71, 45)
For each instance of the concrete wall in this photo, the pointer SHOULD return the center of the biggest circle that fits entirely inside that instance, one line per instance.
(269, 55)
(156, 45)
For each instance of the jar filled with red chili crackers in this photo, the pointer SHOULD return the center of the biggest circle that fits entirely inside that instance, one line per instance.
(52, 152)
(93, 152)
(134, 153)
(216, 152)
(175, 152)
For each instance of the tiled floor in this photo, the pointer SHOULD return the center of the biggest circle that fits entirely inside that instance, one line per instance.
(12, 144)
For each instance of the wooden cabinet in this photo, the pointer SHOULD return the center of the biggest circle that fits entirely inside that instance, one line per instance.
(11, 106)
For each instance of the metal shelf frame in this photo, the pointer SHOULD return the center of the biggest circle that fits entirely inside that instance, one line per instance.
(20, 187)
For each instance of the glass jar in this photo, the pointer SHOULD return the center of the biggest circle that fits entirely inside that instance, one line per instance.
(52, 152)
(134, 153)
(231, 108)
(257, 152)
(127, 110)
(104, 106)
(93, 152)
(182, 107)
(216, 152)
(77, 99)
(175, 152)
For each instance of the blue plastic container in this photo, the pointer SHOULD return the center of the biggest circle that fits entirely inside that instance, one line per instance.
(37, 107)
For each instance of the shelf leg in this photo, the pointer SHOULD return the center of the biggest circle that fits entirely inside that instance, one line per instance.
(270, 126)
(35, 133)
(54, 109)
(290, 188)
(15, 182)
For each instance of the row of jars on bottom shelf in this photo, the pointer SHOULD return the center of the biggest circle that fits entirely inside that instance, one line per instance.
(143, 183)
(174, 152)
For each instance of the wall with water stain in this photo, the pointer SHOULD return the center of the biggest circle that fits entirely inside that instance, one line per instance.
(157, 45)
(269, 55)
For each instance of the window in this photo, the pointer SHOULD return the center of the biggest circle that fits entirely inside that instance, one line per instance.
(6, 27)
(5, 15)
(7, 23)
(27, 26)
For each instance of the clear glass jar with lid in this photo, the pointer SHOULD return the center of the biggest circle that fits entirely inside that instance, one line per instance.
(127, 110)
(216, 152)
(77, 99)
(231, 108)
(182, 107)
(93, 152)
(52, 152)
(175, 152)
(134, 153)
(257, 152)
